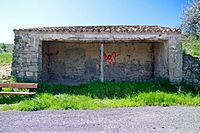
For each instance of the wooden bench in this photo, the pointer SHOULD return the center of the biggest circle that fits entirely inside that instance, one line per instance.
(29, 86)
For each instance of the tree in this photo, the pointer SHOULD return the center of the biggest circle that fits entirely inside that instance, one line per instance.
(3, 47)
(191, 19)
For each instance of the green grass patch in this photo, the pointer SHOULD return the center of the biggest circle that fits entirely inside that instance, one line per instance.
(5, 58)
(66, 101)
(7, 89)
(4, 99)
(118, 89)
(192, 47)
(96, 95)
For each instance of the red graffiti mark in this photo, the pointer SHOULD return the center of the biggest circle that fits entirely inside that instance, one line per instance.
(110, 58)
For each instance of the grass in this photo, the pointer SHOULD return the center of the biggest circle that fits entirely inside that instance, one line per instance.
(192, 47)
(66, 101)
(96, 95)
(5, 58)
(118, 89)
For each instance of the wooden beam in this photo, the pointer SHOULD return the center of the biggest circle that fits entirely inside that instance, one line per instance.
(17, 93)
(18, 85)
(101, 61)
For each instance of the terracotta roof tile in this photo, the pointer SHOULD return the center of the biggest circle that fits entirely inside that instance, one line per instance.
(111, 29)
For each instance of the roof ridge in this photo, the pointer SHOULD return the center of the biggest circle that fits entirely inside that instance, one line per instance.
(109, 28)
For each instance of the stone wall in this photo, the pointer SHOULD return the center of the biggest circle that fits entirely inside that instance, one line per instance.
(161, 61)
(71, 63)
(191, 69)
(128, 61)
(79, 62)
(25, 58)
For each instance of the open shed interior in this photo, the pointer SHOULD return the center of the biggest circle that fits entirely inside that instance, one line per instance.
(79, 62)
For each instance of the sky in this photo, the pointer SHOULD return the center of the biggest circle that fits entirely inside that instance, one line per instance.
(16, 14)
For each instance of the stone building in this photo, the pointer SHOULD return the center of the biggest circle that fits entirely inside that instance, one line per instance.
(79, 54)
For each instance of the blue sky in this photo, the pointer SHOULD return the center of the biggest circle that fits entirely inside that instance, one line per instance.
(16, 14)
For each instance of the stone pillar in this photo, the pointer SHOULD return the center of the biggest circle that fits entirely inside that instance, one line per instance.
(25, 57)
(175, 58)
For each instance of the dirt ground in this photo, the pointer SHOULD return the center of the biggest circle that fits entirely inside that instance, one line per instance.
(5, 71)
